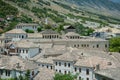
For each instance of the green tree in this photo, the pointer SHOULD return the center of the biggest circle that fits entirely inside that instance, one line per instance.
(27, 75)
(39, 29)
(115, 45)
(48, 26)
(59, 76)
(29, 31)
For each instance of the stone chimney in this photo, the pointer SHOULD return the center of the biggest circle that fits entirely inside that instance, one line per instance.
(17, 65)
(109, 63)
(98, 67)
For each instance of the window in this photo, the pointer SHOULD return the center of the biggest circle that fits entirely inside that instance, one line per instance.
(7, 73)
(22, 36)
(23, 51)
(1, 72)
(97, 46)
(47, 66)
(65, 64)
(56, 63)
(74, 45)
(59, 63)
(51, 67)
(82, 45)
(65, 72)
(20, 51)
(79, 78)
(87, 71)
(87, 79)
(79, 69)
(33, 73)
(59, 71)
(105, 45)
(56, 70)
(75, 69)
(87, 45)
(26, 51)
(69, 72)
(68, 64)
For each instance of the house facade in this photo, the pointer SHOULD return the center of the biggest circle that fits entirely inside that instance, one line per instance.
(74, 63)
(15, 35)
(29, 26)
(50, 34)
(24, 49)
(12, 67)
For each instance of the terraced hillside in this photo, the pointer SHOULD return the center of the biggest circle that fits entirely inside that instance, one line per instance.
(57, 12)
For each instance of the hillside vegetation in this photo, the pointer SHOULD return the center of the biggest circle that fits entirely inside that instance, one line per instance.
(6, 9)
(57, 12)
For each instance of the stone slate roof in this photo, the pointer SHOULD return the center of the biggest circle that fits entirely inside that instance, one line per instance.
(23, 44)
(7, 62)
(113, 73)
(93, 61)
(49, 31)
(45, 74)
(71, 34)
(16, 31)
(46, 60)
(67, 57)
(69, 27)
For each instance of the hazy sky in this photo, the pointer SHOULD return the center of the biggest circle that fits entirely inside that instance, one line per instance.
(116, 0)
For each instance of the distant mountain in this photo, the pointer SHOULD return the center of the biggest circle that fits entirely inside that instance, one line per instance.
(106, 7)
(67, 11)
(116, 1)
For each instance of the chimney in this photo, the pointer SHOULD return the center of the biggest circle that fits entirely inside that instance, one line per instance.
(17, 65)
(82, 54)
(109, 63)
(110, 53)
(98, 67)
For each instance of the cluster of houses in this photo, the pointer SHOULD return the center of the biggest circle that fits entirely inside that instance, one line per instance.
(48, 52)
(106, 33)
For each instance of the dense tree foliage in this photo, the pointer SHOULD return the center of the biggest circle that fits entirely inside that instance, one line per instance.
(85, 31)
(65, 77)
(115, 44)
(20, 1)
(6, 9)
(29, 31)
(46, 12)
(39, 29)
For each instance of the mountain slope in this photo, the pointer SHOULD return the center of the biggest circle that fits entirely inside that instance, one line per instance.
(68, 11)
(105, 7)
(118, 1)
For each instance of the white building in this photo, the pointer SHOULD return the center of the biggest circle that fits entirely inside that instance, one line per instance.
(78, 63)
(23, 48)
(70, 39)
(12, 67)
(29, 26)
(50, 34)
(45, 63)
(107, 32)
(16, 34)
